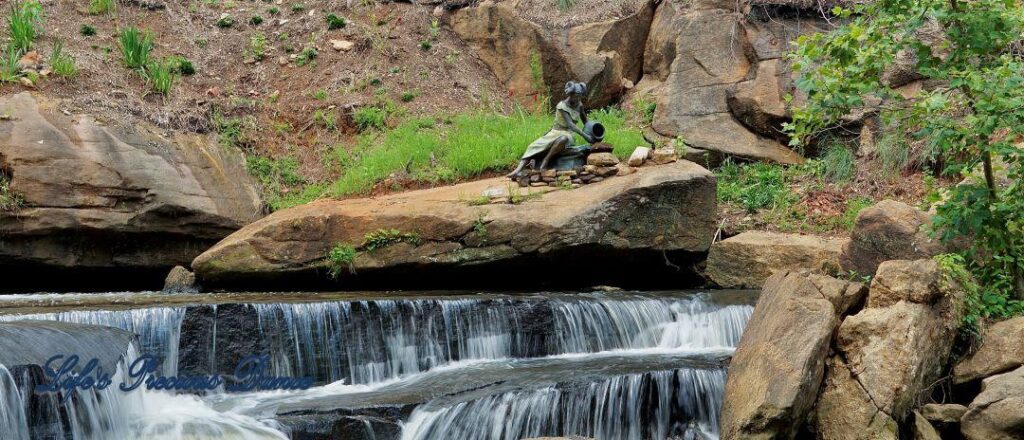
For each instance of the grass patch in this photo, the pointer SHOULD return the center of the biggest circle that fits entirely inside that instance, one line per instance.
(370, 117)
(160, 76)
(335, 22)
(754, 186)
(135, 47)
(24, 24)
(97, 7)
(838, 164)
(9, 69)
(62, 64)
(86, 30)
(275, 176)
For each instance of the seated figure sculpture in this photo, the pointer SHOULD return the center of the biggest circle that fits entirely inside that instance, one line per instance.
(558, 141)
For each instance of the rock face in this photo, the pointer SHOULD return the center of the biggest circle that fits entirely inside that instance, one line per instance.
(602, 54)
(887, 353)
(179, 280)
(107, 196)
(889, 230)
(639, 219)
(718, 79)
(775, 373)
(996, 413)
(746, 260)
(1001, 350)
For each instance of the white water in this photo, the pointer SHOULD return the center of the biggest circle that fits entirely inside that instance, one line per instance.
(373, 349)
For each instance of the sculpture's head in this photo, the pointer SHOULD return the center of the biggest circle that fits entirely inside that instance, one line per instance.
(575, 90)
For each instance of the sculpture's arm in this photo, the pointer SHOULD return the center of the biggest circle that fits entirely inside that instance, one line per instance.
(576, 129)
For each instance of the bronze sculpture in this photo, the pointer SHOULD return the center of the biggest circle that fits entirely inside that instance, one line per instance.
(559, 138)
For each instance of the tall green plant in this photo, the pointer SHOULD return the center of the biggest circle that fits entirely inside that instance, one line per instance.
(135, 47)
(974, 116)
(24, 24)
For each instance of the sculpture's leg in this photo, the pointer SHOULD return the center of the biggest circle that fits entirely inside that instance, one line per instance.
(557, 148)
(519, 169)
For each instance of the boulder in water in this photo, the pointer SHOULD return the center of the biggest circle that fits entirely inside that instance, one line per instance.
(778, 366)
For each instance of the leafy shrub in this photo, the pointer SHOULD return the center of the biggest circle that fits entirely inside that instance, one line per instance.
(339, 258)
(408, 96)
(335, 22)
(298, 7)
(257, 49)
(383, 238)
(87, 31)
(135, 47)
(160, 76)
(181, 65)
(368, 117)
(273, 11)
(426, 45)
(97, 7)
(61, 63)
(256, 20)
(24, 24)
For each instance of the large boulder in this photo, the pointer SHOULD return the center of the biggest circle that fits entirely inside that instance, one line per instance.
(996, 413)
(601, 54)
(658, 215)
(746, 260)
(778, 366)
(103, 194)
(888, 230)
(886, 355)
(692, 60)
(1001, 350)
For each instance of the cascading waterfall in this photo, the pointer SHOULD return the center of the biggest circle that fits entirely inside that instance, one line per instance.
(401, 343)
(13, 421)
(631, 407)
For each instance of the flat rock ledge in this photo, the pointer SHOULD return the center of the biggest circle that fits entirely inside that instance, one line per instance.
(658, 222)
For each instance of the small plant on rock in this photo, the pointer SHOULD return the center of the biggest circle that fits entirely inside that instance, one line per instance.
(135, 47)
(339, 258)
(9, 200)
(383, 238)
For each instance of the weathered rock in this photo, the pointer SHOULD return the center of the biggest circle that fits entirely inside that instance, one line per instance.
(778, 366)
(100, 196)
(943, 412)
(905, 280)
(1001, 350)
(602, 160)
(888, 230)
(996, 413)
(746, 260)
(664, 155)
(923, 430)
(758, 103)
(885, 356)
(343, 45)
(179, 280)
(668, 208)
(601, 54)
(639, 155)
(691, 60)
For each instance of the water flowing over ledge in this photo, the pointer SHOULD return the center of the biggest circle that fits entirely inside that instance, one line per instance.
(467, 367)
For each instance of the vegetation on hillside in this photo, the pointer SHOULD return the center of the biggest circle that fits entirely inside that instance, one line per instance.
(971, 121)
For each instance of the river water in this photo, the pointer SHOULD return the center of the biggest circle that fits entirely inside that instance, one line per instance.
(630, 366)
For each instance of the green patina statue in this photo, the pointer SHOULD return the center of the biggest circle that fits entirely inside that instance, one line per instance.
(558, 141)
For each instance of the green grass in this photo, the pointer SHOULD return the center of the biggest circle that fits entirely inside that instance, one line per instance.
(306, 56)
(335, 22)
(181, 65)
(160, 76)
(838, 164)
(62, 64)
(86, 30)
(754, 186)
(135, 47)
(370, 117)
(23, 24)
(9, 69)
(275, 176)
(383, 238)
(97, 7)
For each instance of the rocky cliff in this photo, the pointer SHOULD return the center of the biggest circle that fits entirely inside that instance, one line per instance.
(104, 197)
